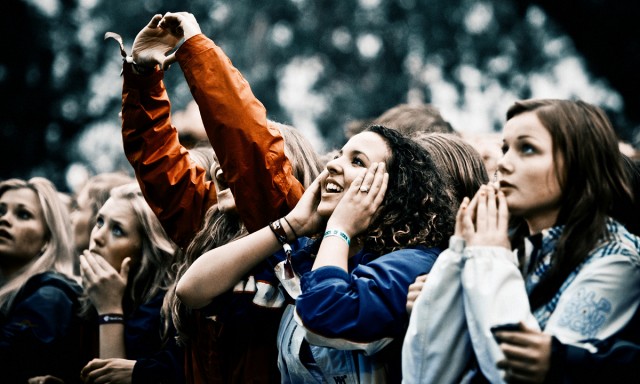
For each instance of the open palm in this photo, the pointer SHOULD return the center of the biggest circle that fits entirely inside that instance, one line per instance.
(153, 43)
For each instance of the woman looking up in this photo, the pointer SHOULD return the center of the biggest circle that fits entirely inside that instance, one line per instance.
(575, 271)
(384, 210)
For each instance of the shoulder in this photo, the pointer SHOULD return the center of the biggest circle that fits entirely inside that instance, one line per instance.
(50, 283)
(619, 241)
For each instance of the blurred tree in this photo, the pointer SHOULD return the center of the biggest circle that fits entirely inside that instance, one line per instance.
(315, 64)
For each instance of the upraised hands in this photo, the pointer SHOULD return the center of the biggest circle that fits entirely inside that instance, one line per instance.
(104, 285)
(161, 36)
(484, 220)
(152, 44)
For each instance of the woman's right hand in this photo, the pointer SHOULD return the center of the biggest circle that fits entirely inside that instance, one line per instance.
(485, 220)
(152, 44)
(104, 285)
(304, 217)
(414, 292)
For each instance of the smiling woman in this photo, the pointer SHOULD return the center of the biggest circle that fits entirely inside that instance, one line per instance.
(374, 219)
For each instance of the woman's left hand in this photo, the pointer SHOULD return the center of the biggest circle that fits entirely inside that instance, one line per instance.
(358, 206)
(118, 371)
(104, 285)
(48, 379)
(485, 221)
(527, 355)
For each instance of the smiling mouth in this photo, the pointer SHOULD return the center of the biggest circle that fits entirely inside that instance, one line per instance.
(333, 188)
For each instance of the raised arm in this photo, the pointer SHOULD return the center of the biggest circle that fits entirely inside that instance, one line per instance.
(249, 149)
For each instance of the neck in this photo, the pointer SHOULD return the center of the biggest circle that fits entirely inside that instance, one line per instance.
(538, 223)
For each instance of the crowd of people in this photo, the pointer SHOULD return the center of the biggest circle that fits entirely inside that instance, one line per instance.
(412, 254)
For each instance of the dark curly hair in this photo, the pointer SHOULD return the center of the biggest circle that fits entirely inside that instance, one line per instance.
(417, 209)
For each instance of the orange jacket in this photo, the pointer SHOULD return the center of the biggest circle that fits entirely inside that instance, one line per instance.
(250, 151)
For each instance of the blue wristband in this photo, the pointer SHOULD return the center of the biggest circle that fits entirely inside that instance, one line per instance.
(338, 233)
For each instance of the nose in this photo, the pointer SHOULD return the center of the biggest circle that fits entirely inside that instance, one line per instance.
(334, 166)
(97, 234)
(504, 165)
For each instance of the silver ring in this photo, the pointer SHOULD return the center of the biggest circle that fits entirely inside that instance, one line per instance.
(364, 189)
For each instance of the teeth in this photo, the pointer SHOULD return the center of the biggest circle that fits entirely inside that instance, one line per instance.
(331, 187)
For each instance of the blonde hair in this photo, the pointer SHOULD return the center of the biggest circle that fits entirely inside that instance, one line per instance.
(57, 254)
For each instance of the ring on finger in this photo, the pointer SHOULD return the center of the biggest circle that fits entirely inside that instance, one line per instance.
(364, 189)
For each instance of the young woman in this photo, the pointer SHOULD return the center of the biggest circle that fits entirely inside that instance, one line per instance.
(126, 273)
(39, 322)
(575, 276)
(384, 211)
(259, 174)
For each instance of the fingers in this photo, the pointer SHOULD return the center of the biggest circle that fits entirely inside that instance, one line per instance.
(503, 213)
(155, 20)
(166, 63)
(124, 268)
(86, 266)
(460, 216)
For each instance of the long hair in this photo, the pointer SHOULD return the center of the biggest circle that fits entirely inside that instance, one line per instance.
(417, 208)
(219, 228)
(150, 271)
(457, 160)
(57, 254)
(305, 162)
(591, 175)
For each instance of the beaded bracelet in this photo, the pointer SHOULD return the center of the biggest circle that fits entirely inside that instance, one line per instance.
(111, 318)
(338, 233)
(281, 235)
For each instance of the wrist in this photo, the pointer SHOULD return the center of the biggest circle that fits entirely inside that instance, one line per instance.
(294, 227)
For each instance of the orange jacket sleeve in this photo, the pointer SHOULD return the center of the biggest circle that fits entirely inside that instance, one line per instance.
(250, 151)
(173, 186)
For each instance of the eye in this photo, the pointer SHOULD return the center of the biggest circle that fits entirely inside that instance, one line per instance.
(527, 149)
(24, 214)
(117, 231)
(504, 148)
(99, 222)
(3, 209)
(357, 161)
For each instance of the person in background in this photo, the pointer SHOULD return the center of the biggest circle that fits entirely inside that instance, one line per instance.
(40, 326)
(126, 273)
(575, 270)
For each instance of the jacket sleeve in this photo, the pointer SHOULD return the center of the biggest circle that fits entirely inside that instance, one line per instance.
(494, 294)
(173, 186)
(250, 151)
(437, 347)
(367, 306)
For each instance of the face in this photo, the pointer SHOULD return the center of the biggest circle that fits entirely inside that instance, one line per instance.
(357, 155)
(116, 234)
(527, 172)
(22, 227)
(226, 201)
(81, 219)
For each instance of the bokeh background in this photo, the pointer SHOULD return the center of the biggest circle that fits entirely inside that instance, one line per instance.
(318, 65)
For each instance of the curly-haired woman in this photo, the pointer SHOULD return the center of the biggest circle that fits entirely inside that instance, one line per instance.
(385, 212)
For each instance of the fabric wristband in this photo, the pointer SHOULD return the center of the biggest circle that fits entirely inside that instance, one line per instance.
(338, 233)
(111, 318)
(281, 235)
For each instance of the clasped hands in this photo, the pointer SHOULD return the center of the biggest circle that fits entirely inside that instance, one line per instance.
(153, 43)
(485, 219)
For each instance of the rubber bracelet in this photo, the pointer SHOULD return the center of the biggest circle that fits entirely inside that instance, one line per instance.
(278, 230)
(338, 233)
(111, 318)
(291, 226)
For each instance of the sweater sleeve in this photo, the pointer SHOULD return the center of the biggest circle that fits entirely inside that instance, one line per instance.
(347, 311)
(174, 187)
(250, 151)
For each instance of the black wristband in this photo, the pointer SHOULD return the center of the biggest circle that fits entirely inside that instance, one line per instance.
(111, 318)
